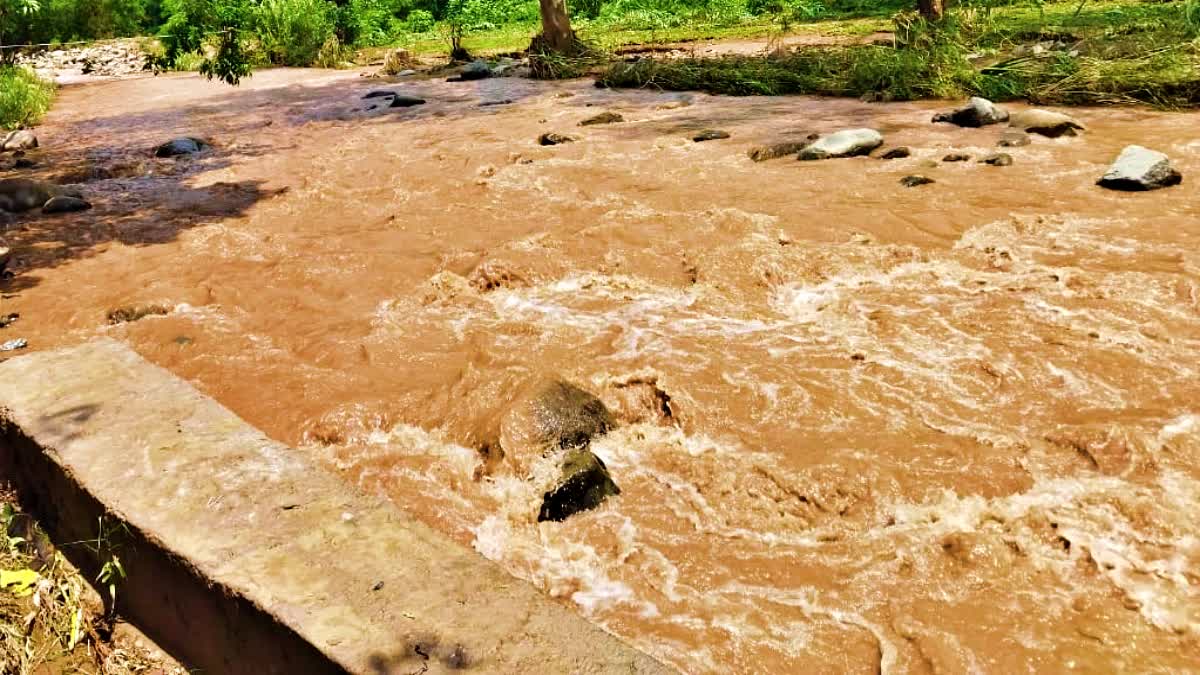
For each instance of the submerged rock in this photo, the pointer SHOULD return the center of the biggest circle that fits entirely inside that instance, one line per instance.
(1139, 169)
(554, 139)
(957, 157)
(777, 150)
(556, 414)
(476, 70)
(5, 256)
(602, 118)
(405, 101)
(1013, 138)
(998, 159)
(896, 153)
(65, 204)
(914, 181)
(978, 112)
(21, 139)
(180, 146)
(584, 485)
(1045, 123)
(379, 93)
(847, 143)
(23, 194)
(710, 135)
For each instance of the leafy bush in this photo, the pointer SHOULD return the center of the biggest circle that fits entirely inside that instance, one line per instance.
(293, 32)
(662, 14)
(24, 97)
(419, 21)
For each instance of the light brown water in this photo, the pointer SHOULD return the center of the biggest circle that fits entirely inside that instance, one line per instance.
(944, 429)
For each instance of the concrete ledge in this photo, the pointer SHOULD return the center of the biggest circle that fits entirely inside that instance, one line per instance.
(243, 558)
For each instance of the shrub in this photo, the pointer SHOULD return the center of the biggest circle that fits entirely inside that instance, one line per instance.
(293, 32)
(24, 97)
(419, 21)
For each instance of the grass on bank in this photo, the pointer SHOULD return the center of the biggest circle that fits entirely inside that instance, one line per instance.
(24, 97)
(1100, 52)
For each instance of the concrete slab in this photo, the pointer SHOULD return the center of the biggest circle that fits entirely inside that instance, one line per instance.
(241, 557)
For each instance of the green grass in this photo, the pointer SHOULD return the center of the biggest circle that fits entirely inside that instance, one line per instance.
(24, 97)
(1109, 52)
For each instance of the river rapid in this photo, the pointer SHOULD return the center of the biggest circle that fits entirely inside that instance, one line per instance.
(865, 428)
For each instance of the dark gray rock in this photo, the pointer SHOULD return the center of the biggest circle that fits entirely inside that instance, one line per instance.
(585, 484)
(180, 146)
(847, 143)
(566, 416)
(710, 135)
(998, 159)
(602, 118)
(379, 93)
(1138, 169)
(476, 70)
(65, 204)
(777, 150)
(554, 139)
(914, 181)
(896, 153)
(978, 112)
(957, 157)
(405, 101)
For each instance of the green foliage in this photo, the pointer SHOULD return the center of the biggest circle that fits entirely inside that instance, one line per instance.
(663, 14)
(293, 32)
(24, 97)
(1191, 17)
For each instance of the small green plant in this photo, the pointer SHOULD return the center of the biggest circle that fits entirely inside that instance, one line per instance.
(111, 574)
(1191, 17)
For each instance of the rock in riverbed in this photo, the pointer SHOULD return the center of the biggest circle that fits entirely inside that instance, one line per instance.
(602, 118)
(1045, 123)
(546, 435)
(585, 484)
(554, 139)
(5, 256)
(776, 150)
(1139, 169)
(957, 157)
(914, 181)
(710, 135)
(23, 194)
(998, 159)
(977, 113)
(476, 70)
(379, 93)
(848, 143)
(180, 146)
(21, 139)
(1013, 138)
(896, 153)
(405, 101)
(65, 204)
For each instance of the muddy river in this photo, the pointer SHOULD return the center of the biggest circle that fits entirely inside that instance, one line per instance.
(866, 428)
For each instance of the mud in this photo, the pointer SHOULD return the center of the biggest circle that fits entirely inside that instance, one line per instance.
(865, 428)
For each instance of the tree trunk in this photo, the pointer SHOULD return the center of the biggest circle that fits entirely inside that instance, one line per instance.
(556, 26)
(931, 10)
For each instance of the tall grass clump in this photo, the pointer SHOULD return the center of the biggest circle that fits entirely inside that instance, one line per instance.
(24, 97)
(295, 32)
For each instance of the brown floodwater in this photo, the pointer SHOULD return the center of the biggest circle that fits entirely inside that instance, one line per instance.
(867, 428)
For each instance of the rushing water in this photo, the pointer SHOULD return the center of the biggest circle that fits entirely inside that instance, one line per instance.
(866, 427)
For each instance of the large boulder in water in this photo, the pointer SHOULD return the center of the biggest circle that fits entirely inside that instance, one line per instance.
(180, 146)
(545, 436)
(1045, 123)
(848, 143)
(23, 194)
(978, 112)
(1139, 169)
(21, 139)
